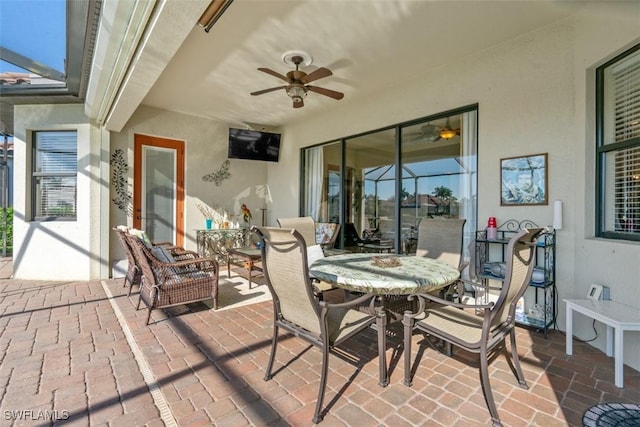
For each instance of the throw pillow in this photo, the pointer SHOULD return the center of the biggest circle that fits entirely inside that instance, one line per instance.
(162, 254)
(142, 235)
(314, 253)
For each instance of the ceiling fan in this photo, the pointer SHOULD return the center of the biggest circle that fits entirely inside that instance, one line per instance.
(432, 133)
(427, 133)
(298, 82)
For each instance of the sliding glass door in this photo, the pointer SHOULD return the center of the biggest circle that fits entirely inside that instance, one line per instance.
(370, 207)
(380, 184)
(439, 166)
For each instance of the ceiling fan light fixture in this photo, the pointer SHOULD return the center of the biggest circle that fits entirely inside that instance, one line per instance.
(297, 93)
(298, 80)
(447, 133)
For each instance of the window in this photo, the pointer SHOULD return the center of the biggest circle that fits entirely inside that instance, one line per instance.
(618, 147)
(55, 169)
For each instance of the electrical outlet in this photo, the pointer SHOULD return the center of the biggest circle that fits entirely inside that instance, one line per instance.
(598, 292)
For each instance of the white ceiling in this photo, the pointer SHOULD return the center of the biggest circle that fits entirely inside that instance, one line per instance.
(370, 45)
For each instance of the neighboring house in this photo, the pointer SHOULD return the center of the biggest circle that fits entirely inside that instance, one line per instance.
(12, 78)
(535, 94)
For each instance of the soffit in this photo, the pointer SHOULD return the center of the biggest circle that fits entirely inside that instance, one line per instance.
(369, 46)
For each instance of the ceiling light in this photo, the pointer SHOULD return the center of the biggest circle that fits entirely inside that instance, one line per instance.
(297, 92)
(447, 133)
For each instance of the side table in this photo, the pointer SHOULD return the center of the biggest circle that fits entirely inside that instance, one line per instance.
(383, 246)
(215, 242)
(618, 317)
(247, 257)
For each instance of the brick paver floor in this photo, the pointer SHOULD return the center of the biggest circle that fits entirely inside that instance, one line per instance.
(65, 356)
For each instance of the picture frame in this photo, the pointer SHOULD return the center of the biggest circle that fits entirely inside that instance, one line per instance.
(523, 180)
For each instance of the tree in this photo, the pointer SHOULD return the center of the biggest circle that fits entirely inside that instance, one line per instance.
(404, 195)
(443, 193)
(446, 196)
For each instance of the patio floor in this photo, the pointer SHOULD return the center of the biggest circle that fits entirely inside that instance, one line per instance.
(80, 353)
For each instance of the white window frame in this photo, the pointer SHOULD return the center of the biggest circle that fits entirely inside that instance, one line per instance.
(61, 164)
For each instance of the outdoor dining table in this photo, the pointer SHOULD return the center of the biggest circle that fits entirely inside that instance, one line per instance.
(392, 277)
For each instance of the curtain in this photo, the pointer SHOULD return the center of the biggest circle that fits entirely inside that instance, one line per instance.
(314, 163)
(469, 185)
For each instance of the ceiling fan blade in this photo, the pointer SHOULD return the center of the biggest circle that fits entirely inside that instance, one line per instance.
(326, 92)
(274, 74)
(260, 92)
(298, 104)
(315, 75)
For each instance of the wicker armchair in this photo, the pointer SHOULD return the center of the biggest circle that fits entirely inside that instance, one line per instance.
(460, 325)
(295, 308)
(134, 274)
(165, 284)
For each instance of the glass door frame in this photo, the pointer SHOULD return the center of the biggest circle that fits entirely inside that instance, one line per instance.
(141, 141)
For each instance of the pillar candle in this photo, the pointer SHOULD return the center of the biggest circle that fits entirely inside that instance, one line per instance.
(557, 215)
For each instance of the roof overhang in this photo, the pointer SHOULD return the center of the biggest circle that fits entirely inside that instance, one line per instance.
(82, 25)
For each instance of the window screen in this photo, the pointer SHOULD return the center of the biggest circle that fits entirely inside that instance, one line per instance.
(55, 169)
(619, 146)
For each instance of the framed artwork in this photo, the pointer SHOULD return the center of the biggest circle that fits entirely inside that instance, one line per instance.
(523, 180)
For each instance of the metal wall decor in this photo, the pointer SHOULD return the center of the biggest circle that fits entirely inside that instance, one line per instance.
(220, 175)
(523, 180)
(119, 179)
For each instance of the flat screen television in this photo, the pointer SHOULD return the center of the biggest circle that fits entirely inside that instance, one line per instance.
(254, 145)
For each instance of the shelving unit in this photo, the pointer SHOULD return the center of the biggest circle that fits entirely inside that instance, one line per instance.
(490, 258)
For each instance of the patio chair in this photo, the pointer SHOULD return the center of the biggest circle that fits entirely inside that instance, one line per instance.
(306, 226)
(296, 309)
(327, 234)
(462, 326)
(134, 273)
(167, 282)
(441, 239)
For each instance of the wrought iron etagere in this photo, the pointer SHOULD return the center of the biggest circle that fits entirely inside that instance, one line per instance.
(490, 258)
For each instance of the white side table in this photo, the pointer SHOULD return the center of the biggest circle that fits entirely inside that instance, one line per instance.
(618, 317)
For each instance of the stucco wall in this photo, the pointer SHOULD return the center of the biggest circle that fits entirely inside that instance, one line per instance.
(205, 151)
(57, 250)
(535, 96)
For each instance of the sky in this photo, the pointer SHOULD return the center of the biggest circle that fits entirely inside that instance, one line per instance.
(35, 29)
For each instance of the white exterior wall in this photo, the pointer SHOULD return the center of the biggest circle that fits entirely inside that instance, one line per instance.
(205, 151)
(56, 250)
(535, 95)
